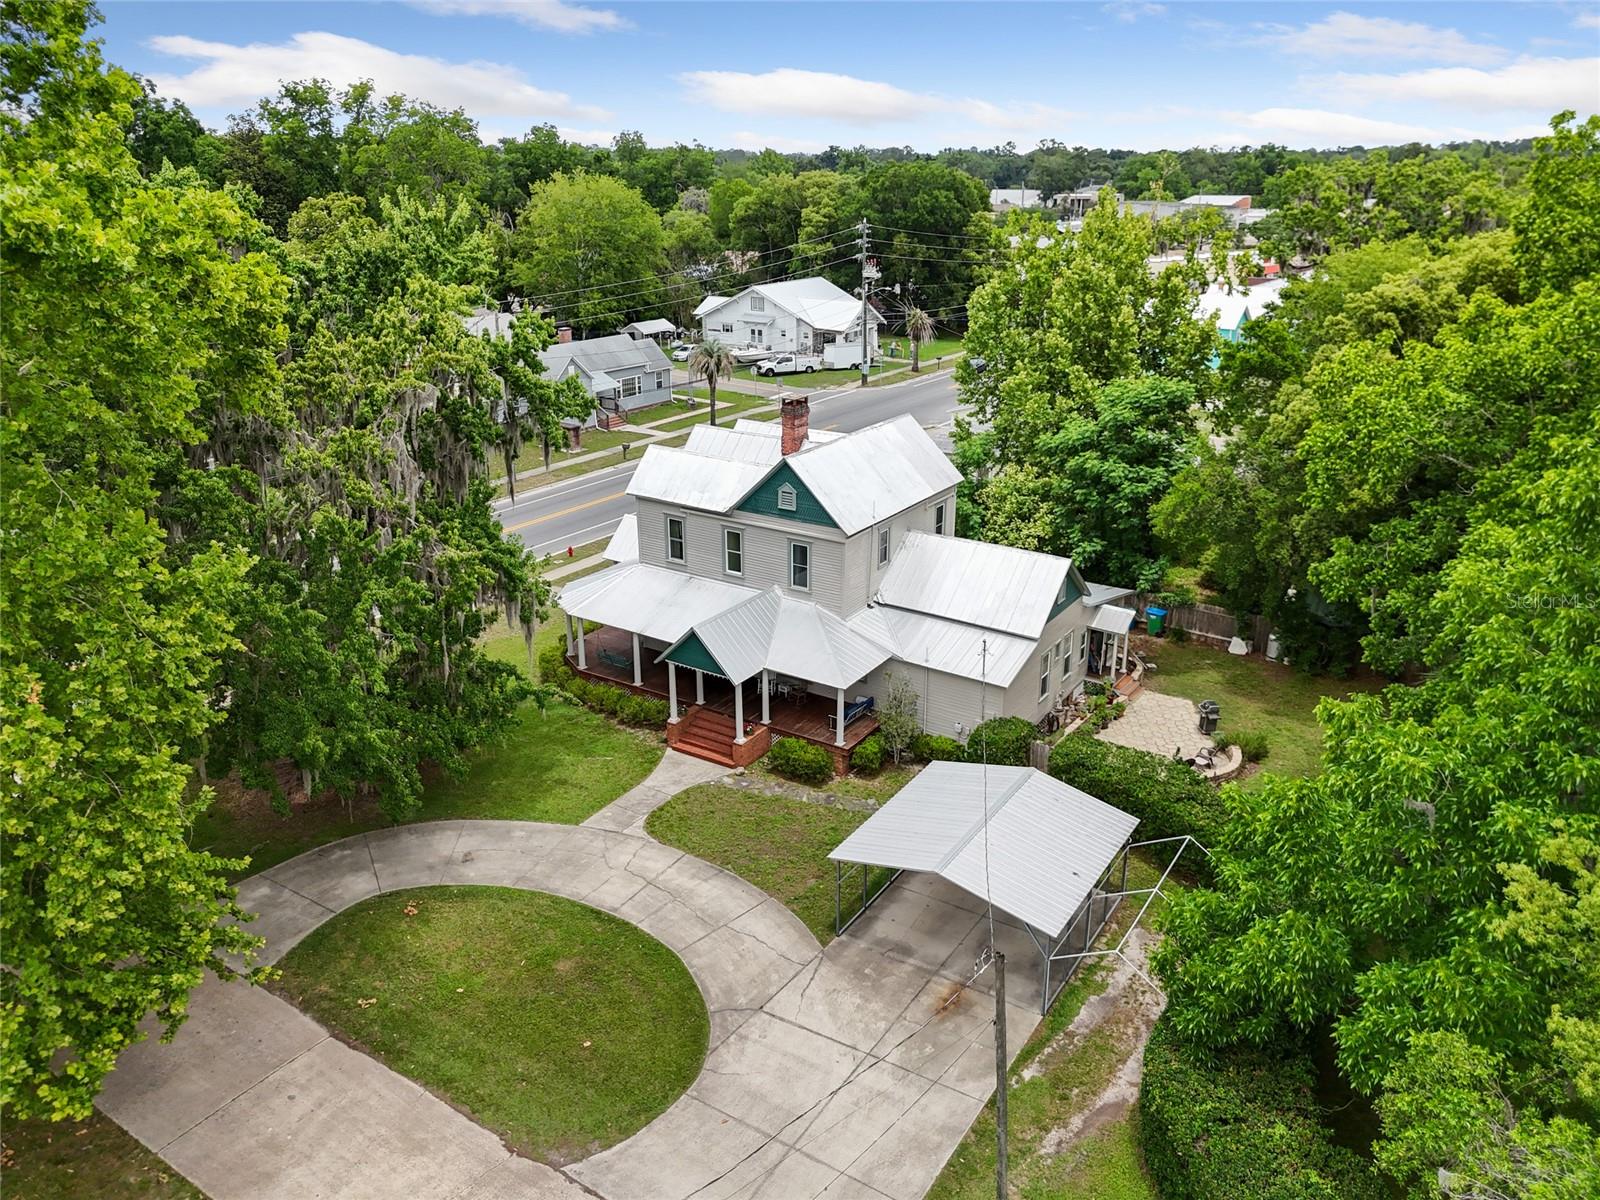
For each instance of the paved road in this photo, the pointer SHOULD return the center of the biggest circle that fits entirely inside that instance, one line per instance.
(550, 519)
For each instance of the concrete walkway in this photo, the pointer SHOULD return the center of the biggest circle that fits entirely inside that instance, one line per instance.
(850, 1073)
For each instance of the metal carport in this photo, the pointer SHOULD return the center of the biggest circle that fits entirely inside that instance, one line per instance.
(1044, 854)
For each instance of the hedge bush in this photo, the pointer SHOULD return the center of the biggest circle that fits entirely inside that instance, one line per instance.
(868, 756)
(800, 760)
(935, 747)
(1240, 1122)
(1168, 797)
(628, 707)
(1002, 742)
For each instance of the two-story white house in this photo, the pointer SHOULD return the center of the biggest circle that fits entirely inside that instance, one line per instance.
(774, 578)
(801, 316)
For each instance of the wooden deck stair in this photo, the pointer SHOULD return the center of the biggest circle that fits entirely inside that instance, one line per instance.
(706, 733)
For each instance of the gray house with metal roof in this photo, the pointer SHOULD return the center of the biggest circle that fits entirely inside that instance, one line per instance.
(781, 576)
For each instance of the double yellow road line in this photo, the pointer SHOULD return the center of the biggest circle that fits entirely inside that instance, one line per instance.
(565, 511)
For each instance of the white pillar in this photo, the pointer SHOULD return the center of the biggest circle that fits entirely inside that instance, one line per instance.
(638, 663)
(570, 648)
(672, 691)
(838, 739)
(738, 714)
(766, 698)
(699, 687)
(583, 663)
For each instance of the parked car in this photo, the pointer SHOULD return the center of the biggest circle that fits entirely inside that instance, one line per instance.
(788, 364)
(682, 353)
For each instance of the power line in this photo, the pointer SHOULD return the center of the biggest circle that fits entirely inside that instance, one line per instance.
(673, 288)
(971, 237)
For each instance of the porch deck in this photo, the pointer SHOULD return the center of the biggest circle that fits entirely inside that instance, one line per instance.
(808, 717)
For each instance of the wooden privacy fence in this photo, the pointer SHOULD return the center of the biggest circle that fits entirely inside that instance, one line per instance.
(1214, 624)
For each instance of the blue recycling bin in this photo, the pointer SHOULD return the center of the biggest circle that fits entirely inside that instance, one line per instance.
(1155, 620)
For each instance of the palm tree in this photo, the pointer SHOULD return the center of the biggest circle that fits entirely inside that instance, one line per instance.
(919, 332)
(711, 361)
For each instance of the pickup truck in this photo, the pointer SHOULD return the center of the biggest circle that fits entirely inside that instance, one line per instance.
(788, 364)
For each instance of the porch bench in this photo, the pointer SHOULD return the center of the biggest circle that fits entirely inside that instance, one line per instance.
(612, 659)
(856, 707)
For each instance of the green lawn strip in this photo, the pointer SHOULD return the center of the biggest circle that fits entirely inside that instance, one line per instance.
(562, 765)
(876, 788)
(561, 1028)
(802, 381)
(1256, 697)
(1105, 1165)
(779, 845)
(583, 551)
(630, 452)
(532, 456)
(599, 564)
(728, 407)
(85, 1160)
(656, 412)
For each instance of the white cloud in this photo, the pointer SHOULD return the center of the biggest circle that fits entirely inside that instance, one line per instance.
(1545, 85)
(745, 140)
(789, 92)
(1586, 20)
(1315, 127)
(1129, 11)
(1347, 35)
(540, 14)
(230, 75)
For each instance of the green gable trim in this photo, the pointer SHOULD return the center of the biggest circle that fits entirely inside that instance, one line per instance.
(764, 500)
(1068, 598)
(691, 652)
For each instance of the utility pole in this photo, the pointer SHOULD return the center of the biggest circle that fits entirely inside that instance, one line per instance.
(1000, 1075)
(866, 344)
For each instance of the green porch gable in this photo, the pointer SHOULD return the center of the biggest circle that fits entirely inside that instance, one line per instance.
(1069, 596)
(691, 652)
(764, 500)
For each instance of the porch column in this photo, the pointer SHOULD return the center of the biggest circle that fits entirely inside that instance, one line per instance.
(738, 714)
(766, 699)
(699, 687)
(583, 662)
(672, 691)
(838, 739)
(568, 618)
(638, 668)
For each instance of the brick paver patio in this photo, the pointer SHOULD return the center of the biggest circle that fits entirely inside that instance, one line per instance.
(1159, 724)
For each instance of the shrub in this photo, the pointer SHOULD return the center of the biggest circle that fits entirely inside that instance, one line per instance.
(643, 710)
(553, 664)
(1001, 742)
(1221, 740)
(868, 756)
(1252, 745)
(1240, 1122)
(935, 747)
(800, 760)
(1168, 797)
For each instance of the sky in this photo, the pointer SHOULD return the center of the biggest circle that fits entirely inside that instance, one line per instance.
(798, 75)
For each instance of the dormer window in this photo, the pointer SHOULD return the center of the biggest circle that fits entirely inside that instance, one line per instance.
(787, 497)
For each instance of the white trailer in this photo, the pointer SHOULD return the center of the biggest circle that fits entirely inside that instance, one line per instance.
(842, 355)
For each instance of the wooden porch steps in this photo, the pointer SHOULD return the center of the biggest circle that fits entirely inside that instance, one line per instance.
(607, 419)
(706, 734)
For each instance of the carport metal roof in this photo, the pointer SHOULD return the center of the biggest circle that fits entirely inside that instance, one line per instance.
(1048, 844)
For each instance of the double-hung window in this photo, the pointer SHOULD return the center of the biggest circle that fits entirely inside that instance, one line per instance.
(675, 539)
(800, 566)
(630, 385)
(883, 546)
(733, 551)
(1083, 645)
(938, 520)
(1044, 674)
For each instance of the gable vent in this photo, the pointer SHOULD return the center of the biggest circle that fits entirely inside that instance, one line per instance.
(786, 497)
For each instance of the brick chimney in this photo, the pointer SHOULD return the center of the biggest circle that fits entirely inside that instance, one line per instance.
(796, 422)
(564, 334)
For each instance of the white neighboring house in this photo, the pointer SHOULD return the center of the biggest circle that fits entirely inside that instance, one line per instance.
(1005, 199)
(800, 316)
(774, 577)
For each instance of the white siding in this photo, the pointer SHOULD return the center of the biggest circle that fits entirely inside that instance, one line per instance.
(766, 551)
(1022, 698)
(946, 704)
(862, 571)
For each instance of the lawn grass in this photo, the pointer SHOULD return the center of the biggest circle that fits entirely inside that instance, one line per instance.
(1103, 1165)
(1256, 697)
(561, 1028)
(656, 412)
(729, 404)
(85, 1160)
(779, 845)
(939, 347)
(804, 381)
(876, 788)
(561, 765)
(532, 456)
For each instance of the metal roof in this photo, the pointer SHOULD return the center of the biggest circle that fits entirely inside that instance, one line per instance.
(1046, 845)
(1110, 618)
(792, 637)
(736, 445)
(709, 304)
(648, 600)
(614, 353)
(773, 431)
(651, 327)
(978, 583)
(1103, 593)
(874, 473)
(948, 646)
(624, 543)
(680, 476)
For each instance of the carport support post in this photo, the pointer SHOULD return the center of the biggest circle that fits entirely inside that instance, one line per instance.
(638, 668)
(1000, 1075)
